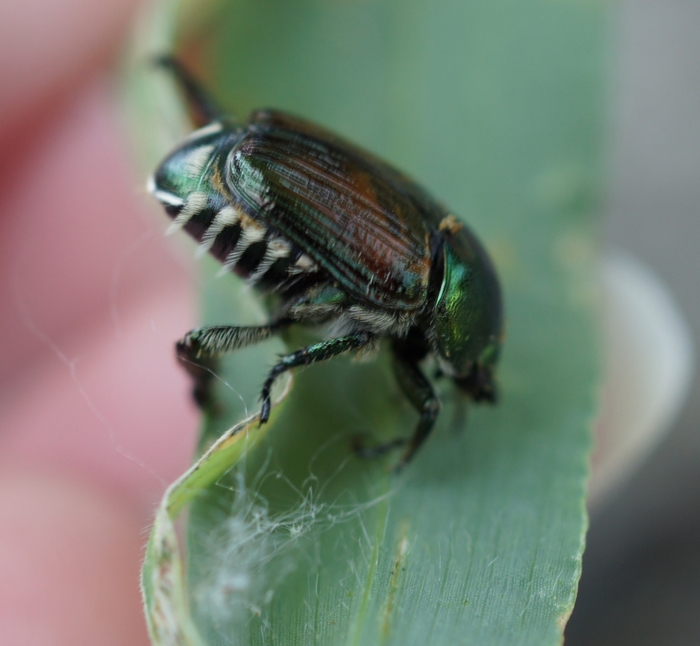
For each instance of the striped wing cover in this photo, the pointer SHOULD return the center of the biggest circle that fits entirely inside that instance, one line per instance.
(349, 212)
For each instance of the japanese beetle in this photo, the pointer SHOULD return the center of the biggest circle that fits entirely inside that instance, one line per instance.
(333, 234)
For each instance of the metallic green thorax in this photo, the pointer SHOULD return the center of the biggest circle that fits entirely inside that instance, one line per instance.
(468, 316)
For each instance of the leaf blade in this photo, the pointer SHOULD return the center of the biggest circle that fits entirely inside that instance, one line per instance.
(488, 524)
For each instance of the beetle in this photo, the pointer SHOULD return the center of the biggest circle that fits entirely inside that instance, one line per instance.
(332, 234)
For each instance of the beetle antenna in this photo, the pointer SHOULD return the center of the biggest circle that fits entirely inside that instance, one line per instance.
(202, 109)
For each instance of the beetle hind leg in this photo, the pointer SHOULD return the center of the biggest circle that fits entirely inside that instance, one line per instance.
(203, 110)
(198, 351)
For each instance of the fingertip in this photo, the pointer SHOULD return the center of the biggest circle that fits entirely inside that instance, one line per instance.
(48, 46)
(69, 563)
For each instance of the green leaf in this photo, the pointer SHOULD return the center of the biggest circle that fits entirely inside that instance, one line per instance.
(496, 106)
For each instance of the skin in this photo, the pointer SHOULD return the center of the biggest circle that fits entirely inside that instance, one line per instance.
(90, 296)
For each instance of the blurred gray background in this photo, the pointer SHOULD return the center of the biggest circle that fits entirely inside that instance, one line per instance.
(641, 580)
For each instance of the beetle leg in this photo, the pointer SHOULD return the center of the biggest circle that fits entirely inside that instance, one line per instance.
(202, 109)
(311, 354)
(420, 393)
(198, 350)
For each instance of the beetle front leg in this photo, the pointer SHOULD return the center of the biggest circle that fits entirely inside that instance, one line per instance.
(199, 349)
(311, 354)
(420, 393)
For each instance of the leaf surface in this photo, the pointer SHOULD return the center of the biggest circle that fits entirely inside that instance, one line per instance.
(497, 108)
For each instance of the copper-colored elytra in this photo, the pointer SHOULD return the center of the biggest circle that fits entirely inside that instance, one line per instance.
(358, 226)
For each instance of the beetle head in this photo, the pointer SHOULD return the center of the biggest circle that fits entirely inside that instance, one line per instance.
(480, 383)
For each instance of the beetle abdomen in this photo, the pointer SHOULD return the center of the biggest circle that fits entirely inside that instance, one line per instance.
(242, 243)
(247, 247)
